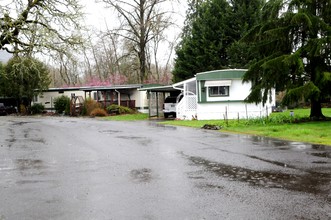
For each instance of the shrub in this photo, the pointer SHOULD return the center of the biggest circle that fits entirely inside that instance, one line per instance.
(37, 108)
(62, 104)
(119, 109)
(89, 106)
(23, 110)
(99, 112)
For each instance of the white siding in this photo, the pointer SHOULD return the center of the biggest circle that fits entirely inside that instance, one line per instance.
(233, 106)
(47, 98)
(238, 92)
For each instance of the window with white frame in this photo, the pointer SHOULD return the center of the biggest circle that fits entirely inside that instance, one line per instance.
(218, 88)
(219, 91)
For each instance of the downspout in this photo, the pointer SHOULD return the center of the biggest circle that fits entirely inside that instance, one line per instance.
(118, 97)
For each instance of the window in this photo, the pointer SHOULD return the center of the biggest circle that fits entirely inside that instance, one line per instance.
(35, 98)
(217, 91)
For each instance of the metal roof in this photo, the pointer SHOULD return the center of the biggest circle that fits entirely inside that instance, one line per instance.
(101, 88)
(221, 74)
(167, 88)
(95, 88)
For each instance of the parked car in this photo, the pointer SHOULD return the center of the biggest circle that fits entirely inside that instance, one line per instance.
(6, 110)
(2, 109)
(169, 106)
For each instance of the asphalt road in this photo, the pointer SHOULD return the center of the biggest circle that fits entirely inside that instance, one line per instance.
(73, 168)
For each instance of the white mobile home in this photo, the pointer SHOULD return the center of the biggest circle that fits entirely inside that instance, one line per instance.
(124, 95)
(219, 94)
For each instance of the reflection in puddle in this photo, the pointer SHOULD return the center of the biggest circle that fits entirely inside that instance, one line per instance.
(141, 175)
(311, 182)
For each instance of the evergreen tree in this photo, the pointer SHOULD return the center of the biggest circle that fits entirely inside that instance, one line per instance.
(244, 16)
(210, 37)
(294, 45)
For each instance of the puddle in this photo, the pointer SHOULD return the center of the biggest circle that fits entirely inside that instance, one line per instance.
(38, 140)
(318, 147)
(141, 175)
(322, 154)
(209, 186)
(320, 162)
(23, 182)
(140, 140)
(109, 131)
(24, 164)
(130, 137)
(271, 162)
(19, 123)
(165, 127)
(310, 182)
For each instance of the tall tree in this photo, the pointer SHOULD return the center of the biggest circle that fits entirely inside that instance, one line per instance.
(36, 25)
(245, 15)
(204, 43)
(24, 77)
(210, 36)
(140, 20)
(294, 44)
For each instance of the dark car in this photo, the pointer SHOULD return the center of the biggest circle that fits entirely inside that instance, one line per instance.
(7, 110)
(2, 109)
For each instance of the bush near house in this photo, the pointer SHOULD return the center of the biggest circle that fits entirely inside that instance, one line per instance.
(119, 109)
(89, 106)
(99, 112)
(37, 108)
(62, 104)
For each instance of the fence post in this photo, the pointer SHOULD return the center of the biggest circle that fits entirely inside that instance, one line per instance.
(246, 111)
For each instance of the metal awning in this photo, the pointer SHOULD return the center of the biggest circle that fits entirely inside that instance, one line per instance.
(218, 83)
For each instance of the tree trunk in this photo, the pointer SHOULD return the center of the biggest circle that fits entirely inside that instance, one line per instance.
(316, 110)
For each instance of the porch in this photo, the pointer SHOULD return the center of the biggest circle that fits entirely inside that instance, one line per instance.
(122, 95)
(186, 109)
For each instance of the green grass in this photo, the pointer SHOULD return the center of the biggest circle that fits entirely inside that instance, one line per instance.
(278, 125)
(128, 117)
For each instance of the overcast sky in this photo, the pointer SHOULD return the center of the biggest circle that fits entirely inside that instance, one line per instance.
(4, 56)
(97, 15)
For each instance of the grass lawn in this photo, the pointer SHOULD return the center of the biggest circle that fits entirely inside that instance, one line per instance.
(278, 125)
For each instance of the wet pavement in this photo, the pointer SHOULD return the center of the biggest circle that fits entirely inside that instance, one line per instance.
(73, 168)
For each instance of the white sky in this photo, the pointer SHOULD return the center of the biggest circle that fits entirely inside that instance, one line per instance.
(98, 18)
(97, 15)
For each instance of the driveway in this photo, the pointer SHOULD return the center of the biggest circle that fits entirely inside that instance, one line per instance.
(73, 168)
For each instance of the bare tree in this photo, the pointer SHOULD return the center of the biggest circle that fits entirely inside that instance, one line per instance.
(28, 26)
(140, 19)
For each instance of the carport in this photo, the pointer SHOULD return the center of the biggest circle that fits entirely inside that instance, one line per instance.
(156, 96)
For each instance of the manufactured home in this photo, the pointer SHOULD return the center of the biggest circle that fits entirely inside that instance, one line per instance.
(124, 95)
(219, 94)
